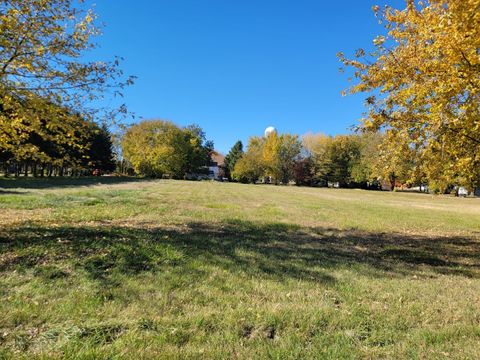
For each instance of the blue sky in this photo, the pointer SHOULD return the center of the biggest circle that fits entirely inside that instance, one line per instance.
(236, 67)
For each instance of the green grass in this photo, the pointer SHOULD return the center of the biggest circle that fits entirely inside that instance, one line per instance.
(128, 268)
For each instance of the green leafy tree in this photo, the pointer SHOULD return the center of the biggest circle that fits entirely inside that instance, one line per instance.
(336, 159)
(364, 169)
(198, 150)
(344, 152)
(36, 143)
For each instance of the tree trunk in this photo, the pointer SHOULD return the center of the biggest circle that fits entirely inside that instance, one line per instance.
(5, 167)
(392, 182)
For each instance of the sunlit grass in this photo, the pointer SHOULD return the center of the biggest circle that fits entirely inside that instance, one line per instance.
(171, 269)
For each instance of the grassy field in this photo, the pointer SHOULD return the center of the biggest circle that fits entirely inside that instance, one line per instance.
(117, 268)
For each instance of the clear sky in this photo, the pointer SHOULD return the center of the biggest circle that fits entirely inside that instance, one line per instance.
(237, 66)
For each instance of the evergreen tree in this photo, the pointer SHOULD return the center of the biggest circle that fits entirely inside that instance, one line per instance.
(235, 154)
(100, 152)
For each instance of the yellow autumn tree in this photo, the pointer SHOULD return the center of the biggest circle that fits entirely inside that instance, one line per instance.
(157, 148)
(42, 70)
(279, 155)
(251, 166)
(423, 82)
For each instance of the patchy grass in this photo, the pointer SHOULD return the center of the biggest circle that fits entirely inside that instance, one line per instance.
(169, 269)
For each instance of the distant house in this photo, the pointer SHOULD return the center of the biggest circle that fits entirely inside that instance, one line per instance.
(212, 171)
(461, 191)
(215, 168)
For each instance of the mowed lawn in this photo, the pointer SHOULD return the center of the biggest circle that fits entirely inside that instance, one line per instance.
(121, 269)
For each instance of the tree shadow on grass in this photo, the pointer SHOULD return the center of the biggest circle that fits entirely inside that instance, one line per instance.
(64, 182)
(274, 251)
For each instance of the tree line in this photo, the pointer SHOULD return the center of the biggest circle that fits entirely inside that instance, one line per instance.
(421, 80)
(159, 148)
(312, 160)
(358, 160)
(74, 147)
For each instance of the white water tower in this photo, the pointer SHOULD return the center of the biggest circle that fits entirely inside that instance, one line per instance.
(269, 130)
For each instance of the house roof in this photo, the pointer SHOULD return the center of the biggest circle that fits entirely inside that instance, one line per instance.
(217, 157)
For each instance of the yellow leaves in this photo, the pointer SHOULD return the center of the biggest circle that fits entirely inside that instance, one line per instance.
(40, 50)
(157, 147)
(271, 156)
(359, 88)
(368, 124)
(29, 30)
(428, 84)
(379, 40)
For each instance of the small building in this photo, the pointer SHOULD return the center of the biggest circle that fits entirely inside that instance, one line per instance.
(215, 168)
(461, 191)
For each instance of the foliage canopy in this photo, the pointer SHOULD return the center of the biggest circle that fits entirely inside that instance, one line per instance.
(160, 148)
(424, 83)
